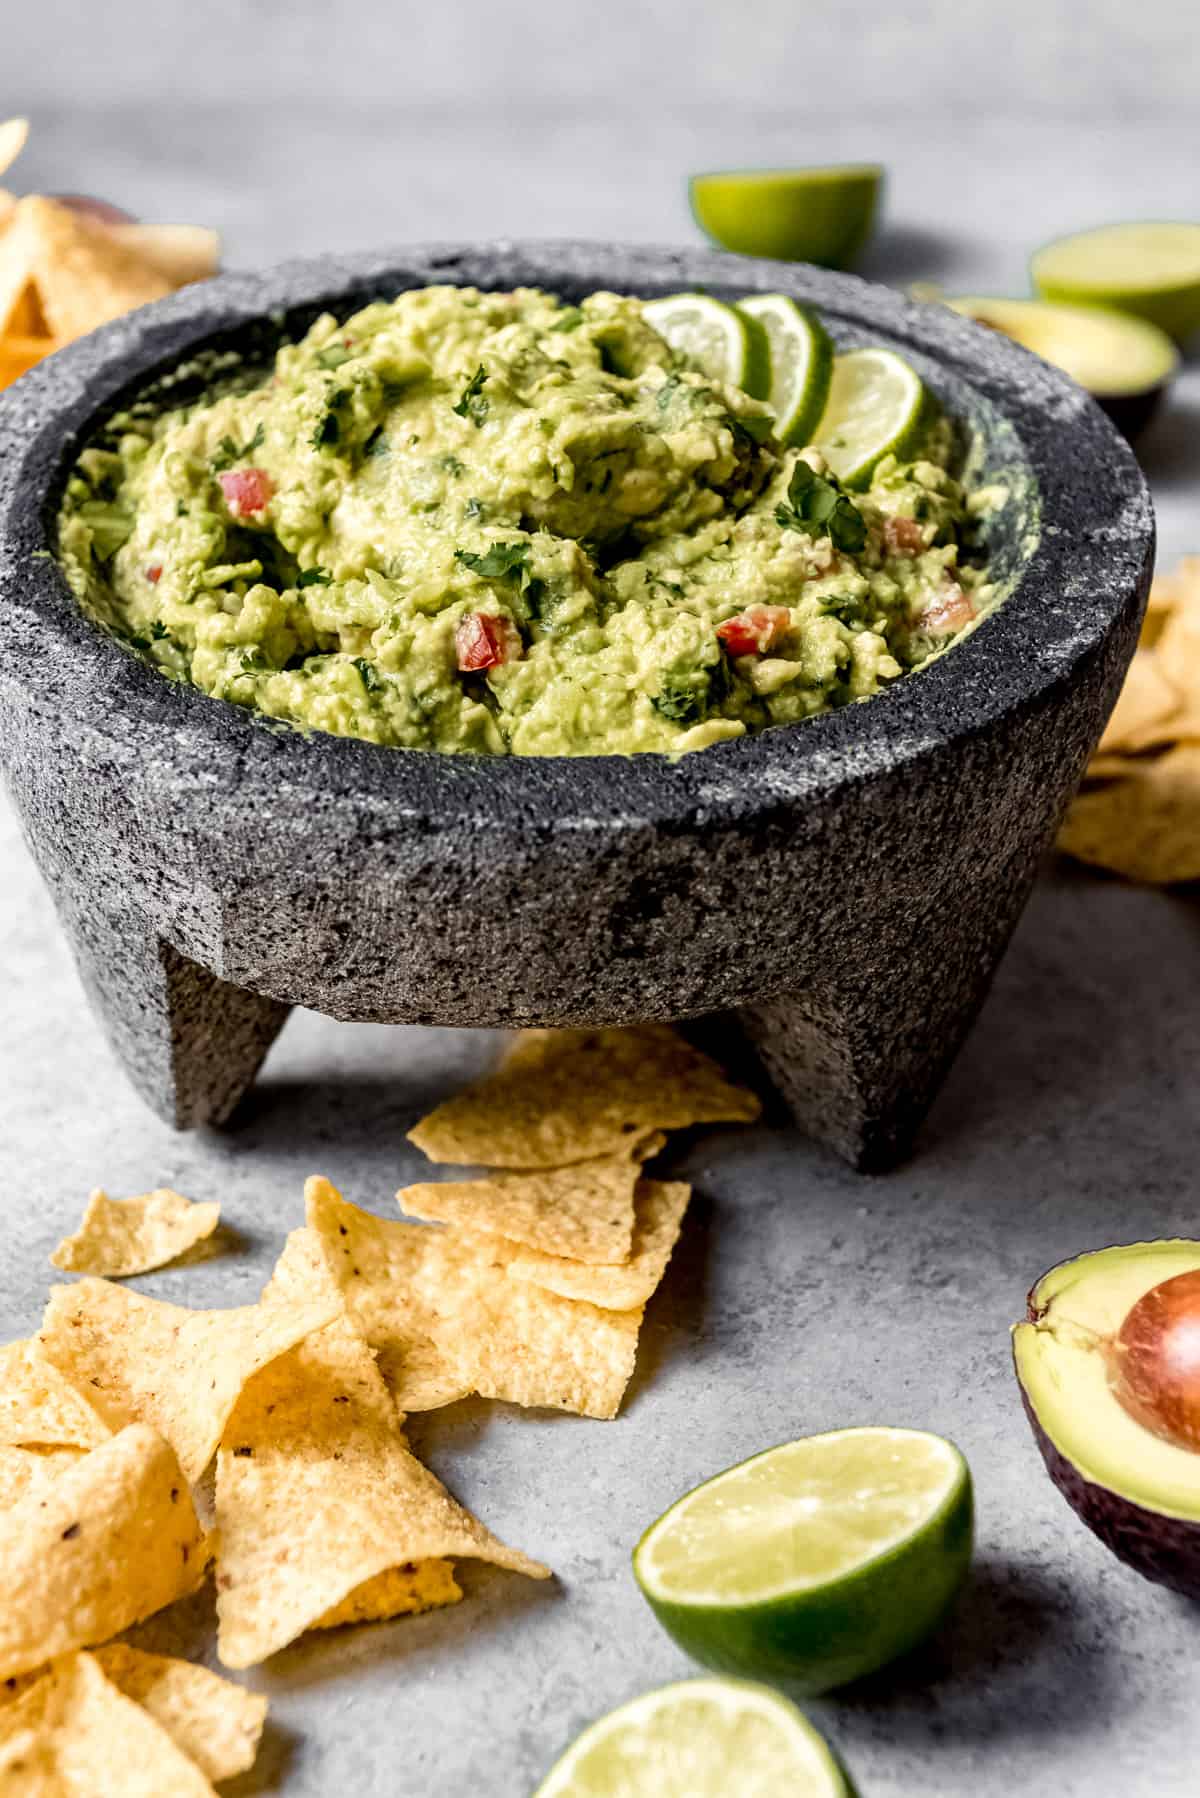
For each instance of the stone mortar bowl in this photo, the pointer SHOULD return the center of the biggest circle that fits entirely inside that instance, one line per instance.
(840, 891)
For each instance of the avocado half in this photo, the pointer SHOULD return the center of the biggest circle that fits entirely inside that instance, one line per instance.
(1135, 1489)
(1127, 364)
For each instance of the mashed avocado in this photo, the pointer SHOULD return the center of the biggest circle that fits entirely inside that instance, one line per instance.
(497, 523)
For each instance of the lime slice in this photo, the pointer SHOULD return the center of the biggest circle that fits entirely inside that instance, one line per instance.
(1125, 362)
(1151, 270)
(702, 1738)
(801, 363)
(798, 215)
(717, 339)
(875, 408)
(816, 1562)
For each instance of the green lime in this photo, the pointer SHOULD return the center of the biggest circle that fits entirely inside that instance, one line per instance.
(816, 1562)
(798, 215)
(876, 407)
(702, 1738)
(1151, 270)
(717, 339)
(801, 363)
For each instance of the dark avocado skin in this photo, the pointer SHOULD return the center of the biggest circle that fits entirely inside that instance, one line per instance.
(1165, 1550)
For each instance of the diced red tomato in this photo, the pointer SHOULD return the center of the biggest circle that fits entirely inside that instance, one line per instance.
(482, 641)
(949, 611)
(754, 631)
(154, 573)
(903, 536)
(246, 490)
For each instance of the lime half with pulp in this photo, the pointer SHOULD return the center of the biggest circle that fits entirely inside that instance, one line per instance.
(1151, 270)
(821, 215)
(702, 1738)
(876, 408)
(816, 1562)
(717, 339)
(801, 363)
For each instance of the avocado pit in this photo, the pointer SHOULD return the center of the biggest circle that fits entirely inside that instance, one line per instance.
(1156, 1360)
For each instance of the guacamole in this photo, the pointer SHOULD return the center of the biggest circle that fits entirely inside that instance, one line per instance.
(493, 522)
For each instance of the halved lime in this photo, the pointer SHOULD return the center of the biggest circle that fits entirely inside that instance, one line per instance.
(876, 407)
(702, 1738)
(717, 339)
(1125, 362)
(801, 363)
(816, 1562)
(799, 215)
(1151, 270)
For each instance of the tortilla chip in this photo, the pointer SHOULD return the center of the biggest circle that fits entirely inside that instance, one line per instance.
(1146, 828)
(106, 1543)
(131, 1236)
(660, 1208)
(141, 1360)
(584, 1212)
(14, 134)
(551, 1108)
(506, 1338)
(84, 275)
(214, 1722)
(317, 1491)
(180, 253)
(26, 1470)
(39, 1407)
(1148, 701)
(19, 354)
(397, 1592)
(20, 311)
(97, 1741)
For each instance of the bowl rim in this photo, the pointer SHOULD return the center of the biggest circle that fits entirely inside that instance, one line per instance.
(1077, 583)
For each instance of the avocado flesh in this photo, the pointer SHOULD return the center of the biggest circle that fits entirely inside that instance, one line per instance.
(1138, 1492)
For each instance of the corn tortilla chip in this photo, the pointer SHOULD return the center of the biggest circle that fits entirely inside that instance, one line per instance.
(552, 1108)
(38, 1406)
(396, 1592)
(130, 1236)
(14, 134)
(181, 253)
(25, 1470)
(1148, 702)
(84, 276)
(507, 1339)
(19, 354)
(141, 1360)
(106, 1543)
(1146, 828)
(660, 1208)
(97, 1741)
(584, 1212)
(317, 1491)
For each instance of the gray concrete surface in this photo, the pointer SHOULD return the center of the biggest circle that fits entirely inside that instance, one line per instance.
(802, 1296)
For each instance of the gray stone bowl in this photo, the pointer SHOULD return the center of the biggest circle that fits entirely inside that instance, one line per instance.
(838, 892)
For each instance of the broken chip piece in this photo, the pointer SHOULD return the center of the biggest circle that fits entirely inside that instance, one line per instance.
(143, 1360)
(107, 1542)
(130, 1236)
(39, 1407)
(660, 1208)
(558, 1105)
(318, 1493)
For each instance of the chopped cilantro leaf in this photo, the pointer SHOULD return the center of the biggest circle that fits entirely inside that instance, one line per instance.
(313, 577)
(569, 319)
(817, 507)
(471, 403)
(228, 451)
(370, 677)
(496, 562)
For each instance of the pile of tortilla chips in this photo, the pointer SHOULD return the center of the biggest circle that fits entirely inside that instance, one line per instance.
(532, 1289)
(64, 272)
(1139, 811)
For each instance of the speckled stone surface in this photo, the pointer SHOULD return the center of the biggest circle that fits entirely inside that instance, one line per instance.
(193, 851)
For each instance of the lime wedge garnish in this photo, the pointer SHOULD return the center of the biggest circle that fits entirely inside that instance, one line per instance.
(717, 339)
(702, 1738)
(816, 1562)
(801, 363)
(798, 215)
(1151, 270)
(875, 408)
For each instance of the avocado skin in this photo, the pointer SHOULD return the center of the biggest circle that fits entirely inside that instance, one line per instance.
(1165, 1550)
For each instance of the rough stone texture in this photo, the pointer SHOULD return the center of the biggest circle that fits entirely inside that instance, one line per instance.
(890, 846)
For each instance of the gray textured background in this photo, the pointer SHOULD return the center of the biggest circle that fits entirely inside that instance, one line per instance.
(802, 1297)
